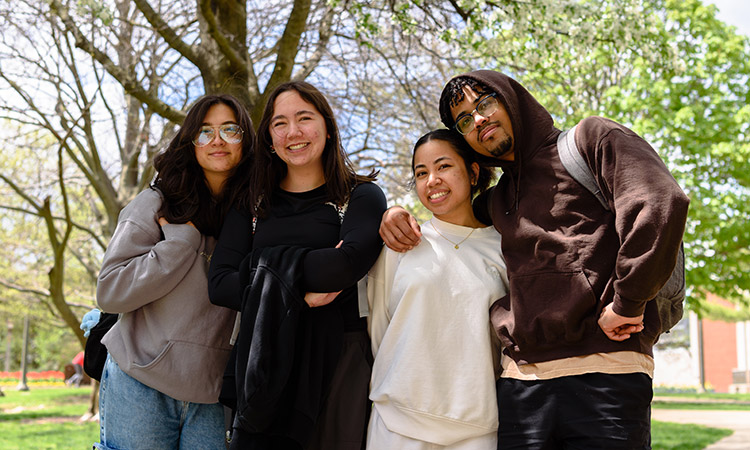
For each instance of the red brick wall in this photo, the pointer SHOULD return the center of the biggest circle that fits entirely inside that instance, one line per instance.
(719, 350)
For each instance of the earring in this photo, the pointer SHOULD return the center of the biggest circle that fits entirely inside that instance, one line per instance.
(273, 150)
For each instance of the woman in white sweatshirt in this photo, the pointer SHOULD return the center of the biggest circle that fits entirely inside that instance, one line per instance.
(160, 385)
(433, 380)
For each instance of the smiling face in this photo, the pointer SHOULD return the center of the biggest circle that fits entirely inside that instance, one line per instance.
(491, 136)
(443, 182)
(218, 158)
(298, 132)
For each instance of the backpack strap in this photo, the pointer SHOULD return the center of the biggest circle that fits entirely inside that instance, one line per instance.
(671, 296)
(576, 165)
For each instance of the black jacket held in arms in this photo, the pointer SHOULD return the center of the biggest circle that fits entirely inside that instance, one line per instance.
(286, 351)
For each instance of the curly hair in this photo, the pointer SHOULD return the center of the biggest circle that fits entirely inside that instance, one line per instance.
(269, 170)
(453, 94)
(458, 143)
(180, 178)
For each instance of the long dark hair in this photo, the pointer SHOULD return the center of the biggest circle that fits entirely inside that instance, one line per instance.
(455, 140)
(269, 170)
(180, 178)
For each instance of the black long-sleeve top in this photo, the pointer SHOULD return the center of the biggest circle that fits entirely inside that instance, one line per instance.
(307, 220)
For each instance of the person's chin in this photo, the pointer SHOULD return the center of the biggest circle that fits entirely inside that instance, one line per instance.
(503, 151)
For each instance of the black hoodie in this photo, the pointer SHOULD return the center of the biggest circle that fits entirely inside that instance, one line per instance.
(567, 256)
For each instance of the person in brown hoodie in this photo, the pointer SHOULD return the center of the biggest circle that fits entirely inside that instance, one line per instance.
(578, 325)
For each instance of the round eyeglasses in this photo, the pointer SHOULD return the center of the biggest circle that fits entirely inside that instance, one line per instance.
(485, 108)
(231, 134)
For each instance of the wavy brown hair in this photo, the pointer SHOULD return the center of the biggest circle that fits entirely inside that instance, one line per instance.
(269, 170)
(180, 178)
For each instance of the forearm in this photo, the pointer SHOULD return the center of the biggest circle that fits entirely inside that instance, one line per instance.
(334, 269)
(139, 269)
(234, 244)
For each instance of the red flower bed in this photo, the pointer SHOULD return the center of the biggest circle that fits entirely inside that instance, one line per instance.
(45, 375)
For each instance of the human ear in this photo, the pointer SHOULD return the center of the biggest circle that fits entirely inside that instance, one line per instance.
(474, 176)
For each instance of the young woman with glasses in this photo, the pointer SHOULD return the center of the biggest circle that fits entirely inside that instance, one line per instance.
(167, 352)
(303, 359)
(433, 381)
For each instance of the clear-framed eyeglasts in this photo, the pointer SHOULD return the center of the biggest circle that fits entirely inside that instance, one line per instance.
(485, 108)
(231, 133)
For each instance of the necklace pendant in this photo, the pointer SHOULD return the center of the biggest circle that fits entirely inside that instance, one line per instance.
(456, 246)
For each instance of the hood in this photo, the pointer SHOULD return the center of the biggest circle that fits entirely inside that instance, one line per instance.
(532, 125)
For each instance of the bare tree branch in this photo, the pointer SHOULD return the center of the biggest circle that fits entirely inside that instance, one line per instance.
(169, 34)
(23, 289)
(126, 79)
(325, 32)
(288, 44)
(236, 61)
(91, 233)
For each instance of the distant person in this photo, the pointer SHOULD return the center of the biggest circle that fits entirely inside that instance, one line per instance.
(77, 377)
(303, 358)
(433, 381)
(577, 326)
(167, 352)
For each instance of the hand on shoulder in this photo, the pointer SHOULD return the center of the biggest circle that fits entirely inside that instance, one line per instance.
(399, 229)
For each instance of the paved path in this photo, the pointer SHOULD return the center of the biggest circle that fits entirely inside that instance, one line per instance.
(739, 421)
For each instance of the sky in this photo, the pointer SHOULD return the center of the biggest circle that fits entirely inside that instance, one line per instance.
(734, 12)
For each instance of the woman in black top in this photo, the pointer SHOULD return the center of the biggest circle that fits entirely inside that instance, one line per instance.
(303, 359)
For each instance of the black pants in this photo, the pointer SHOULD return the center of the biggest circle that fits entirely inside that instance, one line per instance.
(342, 423)
(586, 412)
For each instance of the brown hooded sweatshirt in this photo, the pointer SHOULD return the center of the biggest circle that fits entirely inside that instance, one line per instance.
(567, 256)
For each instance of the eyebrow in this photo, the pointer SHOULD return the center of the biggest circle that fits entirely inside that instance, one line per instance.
(228, 122)
(297, 114)
(440, 159)
(474, 103)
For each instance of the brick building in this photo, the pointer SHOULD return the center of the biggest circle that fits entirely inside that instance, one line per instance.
(707, 353)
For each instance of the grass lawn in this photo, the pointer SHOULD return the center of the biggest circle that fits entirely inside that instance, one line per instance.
(705, 396)
(707, 400)
(675, 436)
(700, 405)
(46, 418)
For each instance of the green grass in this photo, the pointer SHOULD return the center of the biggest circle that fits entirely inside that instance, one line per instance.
(701, 406)
(46, 419)
(675, 436)
(705, 396)
(702, 401)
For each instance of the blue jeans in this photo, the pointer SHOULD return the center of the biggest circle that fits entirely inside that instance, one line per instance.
(134, 416)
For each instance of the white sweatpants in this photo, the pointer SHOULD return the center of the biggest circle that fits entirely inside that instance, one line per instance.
(379, 437)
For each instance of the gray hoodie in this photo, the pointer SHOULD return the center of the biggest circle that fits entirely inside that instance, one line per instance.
(169, 337)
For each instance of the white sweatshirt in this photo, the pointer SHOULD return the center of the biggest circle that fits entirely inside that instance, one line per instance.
(433, 377)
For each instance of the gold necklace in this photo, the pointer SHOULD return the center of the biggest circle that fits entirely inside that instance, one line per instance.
(455, 245)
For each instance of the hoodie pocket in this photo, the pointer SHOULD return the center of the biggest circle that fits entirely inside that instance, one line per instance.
(546, 310)
(186, 367)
